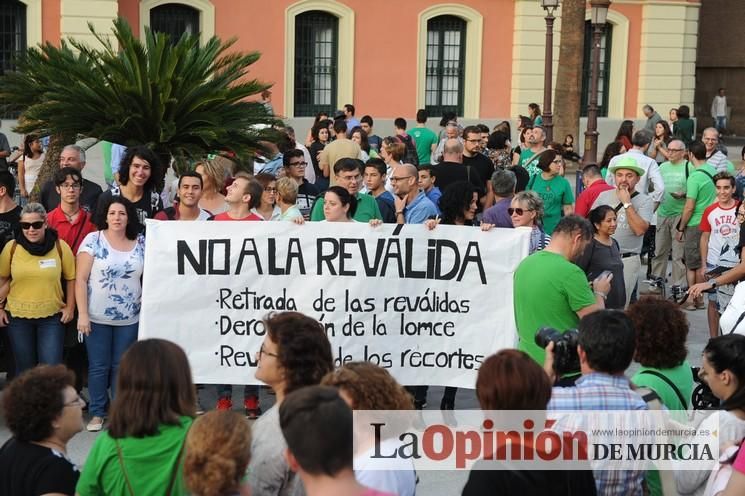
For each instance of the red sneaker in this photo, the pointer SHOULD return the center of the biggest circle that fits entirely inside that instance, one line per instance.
(251, 404)
(224, 403)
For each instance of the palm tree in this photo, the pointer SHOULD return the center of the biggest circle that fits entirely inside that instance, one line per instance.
(569, 77)
(181, 99)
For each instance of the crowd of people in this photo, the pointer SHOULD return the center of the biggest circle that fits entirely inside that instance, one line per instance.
(70, 292)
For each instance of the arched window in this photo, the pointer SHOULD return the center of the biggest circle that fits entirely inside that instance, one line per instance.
(174, 20)
(316, 63)
(12, 36)
(445, 65)
(603, 72)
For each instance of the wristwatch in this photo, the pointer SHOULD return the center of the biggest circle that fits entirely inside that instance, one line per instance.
(626, 205)
(713, 283)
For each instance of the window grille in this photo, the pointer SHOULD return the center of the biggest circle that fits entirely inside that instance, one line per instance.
(316, 63)
(445, 69)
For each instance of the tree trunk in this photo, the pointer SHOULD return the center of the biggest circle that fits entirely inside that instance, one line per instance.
(569, 76)
(51, 163)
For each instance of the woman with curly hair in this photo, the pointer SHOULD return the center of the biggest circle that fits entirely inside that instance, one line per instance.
(365, 386)
(216, 454)
(43, 412)
(661, 332)
(295, 353)
(662, 137)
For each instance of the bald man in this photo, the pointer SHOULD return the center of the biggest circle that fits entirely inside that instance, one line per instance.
(412, 204)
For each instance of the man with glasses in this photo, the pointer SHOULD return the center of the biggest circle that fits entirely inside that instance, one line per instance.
(72, 156)
(473, 158)
(70, 219)
(348, 175)
(295, 166)
(674, 174)
(714, 155)
(412, 204)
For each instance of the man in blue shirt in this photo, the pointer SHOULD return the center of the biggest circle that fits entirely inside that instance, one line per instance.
(606, 347)
(412, 204)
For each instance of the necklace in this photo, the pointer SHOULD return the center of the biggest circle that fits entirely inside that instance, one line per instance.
(71, 216)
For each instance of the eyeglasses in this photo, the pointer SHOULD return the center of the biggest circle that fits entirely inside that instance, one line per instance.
(299, 164)
(711, 139)
(73, 186)
(518, 211)
(78, 401)
(350, 178)
(270, 190)
(28, 225)
(394, 178)
(262, 352)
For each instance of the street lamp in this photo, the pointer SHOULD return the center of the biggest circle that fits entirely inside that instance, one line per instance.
(599, 16)
(549, 6)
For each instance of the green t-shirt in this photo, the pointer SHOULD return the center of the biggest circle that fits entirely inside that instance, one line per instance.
(700, 188)
(555, 193)
(674, 179)
(542, 301)
(683, 379)
(367, 208)
(532, 166)
(148, 461)
(424, 138)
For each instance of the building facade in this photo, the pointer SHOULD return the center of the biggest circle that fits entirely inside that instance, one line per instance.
(483, 59)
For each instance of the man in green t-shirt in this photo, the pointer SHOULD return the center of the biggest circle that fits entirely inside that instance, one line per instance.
(700, 193)
(674, 175)
(551, 291)
(348, 175)
(425, 139)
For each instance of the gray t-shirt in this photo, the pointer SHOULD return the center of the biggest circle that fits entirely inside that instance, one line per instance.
(627, 240)
(268, 472)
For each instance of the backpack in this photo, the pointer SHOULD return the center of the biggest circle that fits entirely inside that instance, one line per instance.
(410, 156)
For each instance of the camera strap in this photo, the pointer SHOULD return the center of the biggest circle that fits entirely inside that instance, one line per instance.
(669, 383)
(620, 205)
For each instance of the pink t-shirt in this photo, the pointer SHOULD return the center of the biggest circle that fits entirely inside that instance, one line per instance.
(739, 464)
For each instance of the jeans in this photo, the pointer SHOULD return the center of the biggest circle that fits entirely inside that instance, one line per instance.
(106, 344)
(721, 122)
(36, 341)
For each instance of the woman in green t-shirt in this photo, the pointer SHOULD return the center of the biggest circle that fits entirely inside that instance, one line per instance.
(661, 332)
(153, 409)
(554, 189)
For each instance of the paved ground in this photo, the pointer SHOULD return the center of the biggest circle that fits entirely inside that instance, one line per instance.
(431, 483)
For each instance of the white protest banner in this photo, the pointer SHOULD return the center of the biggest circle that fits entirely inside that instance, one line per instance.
(427, 305)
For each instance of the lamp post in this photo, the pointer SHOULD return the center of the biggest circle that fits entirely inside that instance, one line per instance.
(549, 6)
(599, 16)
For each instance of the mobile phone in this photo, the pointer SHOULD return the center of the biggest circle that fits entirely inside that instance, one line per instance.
(606, 273)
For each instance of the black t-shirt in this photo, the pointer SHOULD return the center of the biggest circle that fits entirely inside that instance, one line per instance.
(306, 197)
(447, 173)
(9, 225)
(387, 209)
(27, 469)
(147, 206)
(314, 149)
(530, 482)
(88, 197)
(522, 176)
(483, 166)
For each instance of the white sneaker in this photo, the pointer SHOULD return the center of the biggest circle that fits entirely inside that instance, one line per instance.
(95, 425)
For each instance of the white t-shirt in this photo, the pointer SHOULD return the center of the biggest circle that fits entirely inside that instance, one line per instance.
(725, 235)
(114, 288)
(401, 482)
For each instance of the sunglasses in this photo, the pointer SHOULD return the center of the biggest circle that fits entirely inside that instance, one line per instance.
(28, 225)
(518, 211)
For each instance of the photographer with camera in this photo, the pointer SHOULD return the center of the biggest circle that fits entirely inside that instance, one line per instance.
(551, 291)
(606, 342)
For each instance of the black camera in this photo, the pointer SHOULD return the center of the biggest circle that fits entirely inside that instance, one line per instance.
(566, 359)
